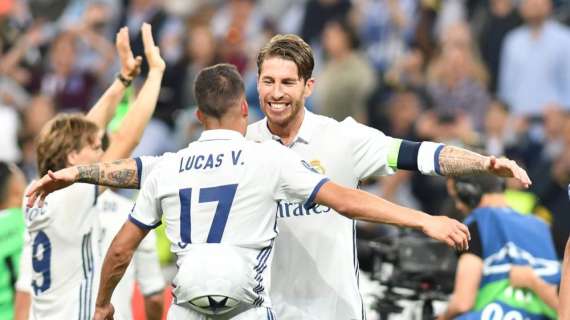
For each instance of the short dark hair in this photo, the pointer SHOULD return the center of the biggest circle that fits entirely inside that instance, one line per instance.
(217, 88)
(289, 47)
(470, 189)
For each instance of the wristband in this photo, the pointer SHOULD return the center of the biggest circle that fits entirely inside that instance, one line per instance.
(126, 82)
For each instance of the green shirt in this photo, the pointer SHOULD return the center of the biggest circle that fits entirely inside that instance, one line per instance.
(12, 227)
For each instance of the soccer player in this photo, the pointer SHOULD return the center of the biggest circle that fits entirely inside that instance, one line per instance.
(145, 270)
(12, 227)
(218, 197)
(64, 233)
(316, 268)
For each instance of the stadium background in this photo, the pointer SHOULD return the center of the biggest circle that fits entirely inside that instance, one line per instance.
(418, 69)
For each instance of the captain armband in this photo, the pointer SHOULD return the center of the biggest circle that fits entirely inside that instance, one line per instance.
(415, 156)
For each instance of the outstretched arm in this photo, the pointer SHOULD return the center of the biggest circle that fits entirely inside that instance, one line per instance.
(122, 173)
(357, 204)
(116, 262)
(454, 161)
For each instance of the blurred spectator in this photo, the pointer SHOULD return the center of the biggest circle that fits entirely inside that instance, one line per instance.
(318, 13)
(10, 124)
(535, 65)
(499, 17)
(386, 28)
(347, 79)
(408, 71)
(239, 24)
(486, 281)
(71, 88)
(450, 13)
(39, 111)
(201, 51)
(94, 50)
(498, 133)
(457, 79)
(550, 184)
(167, 30)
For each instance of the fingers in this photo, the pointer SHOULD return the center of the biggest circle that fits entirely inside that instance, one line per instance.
(459, 240)
(463, 228)
(148, 41)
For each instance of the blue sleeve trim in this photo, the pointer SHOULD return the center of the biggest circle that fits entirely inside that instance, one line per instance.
(139, 171)
(408, 155)
(436, 159)
(96, 195)
(142, 225)
(310, 203)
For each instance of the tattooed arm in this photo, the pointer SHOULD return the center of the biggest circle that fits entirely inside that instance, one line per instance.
(454, 161)
(116, 174)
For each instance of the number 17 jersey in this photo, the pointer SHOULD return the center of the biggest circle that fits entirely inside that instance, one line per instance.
(218, 198)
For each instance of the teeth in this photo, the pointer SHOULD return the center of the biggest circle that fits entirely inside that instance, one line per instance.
(278, 106)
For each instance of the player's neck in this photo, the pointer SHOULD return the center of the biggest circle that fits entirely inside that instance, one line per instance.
(494, 200)
(288, 131)
(225, 123)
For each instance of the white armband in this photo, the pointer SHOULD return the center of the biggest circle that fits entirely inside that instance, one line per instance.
(428, 158)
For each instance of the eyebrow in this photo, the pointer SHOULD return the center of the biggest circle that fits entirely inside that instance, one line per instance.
(282, 80)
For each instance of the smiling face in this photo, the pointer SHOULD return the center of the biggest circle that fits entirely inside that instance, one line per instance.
(282, 92)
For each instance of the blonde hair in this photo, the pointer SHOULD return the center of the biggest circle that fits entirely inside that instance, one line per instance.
(59, 137)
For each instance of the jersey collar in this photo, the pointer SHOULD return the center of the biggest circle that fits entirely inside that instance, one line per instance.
(220, 134)
(303, 136)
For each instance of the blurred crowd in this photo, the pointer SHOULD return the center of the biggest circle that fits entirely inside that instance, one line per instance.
(493, 75)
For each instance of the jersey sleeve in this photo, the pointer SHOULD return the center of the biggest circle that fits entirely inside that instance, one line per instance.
(147, 267)
(369, 149)
(146, 164)
(298, 181)
(146, 213)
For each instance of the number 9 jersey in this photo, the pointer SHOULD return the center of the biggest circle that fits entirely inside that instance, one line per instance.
(218, 198)
(65, 258)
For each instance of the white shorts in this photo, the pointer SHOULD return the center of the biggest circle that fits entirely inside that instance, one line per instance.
(181, 312)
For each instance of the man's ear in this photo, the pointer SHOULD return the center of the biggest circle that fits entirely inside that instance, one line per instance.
(309, 87)
(72, 158)
(244, 108)
(200, 116)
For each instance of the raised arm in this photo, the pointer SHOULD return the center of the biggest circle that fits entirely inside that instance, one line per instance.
(116, 262)
(131, 130)
(357, 204)
(104, 109)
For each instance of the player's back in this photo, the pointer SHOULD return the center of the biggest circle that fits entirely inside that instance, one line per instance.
(64, 254)
(218, 198)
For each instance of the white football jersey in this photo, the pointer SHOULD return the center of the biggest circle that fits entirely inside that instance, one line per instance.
(64, 254)
(144, 268)
(218, 198)
(315, 270)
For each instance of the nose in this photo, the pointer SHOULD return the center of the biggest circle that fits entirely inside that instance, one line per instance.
(277, 92)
